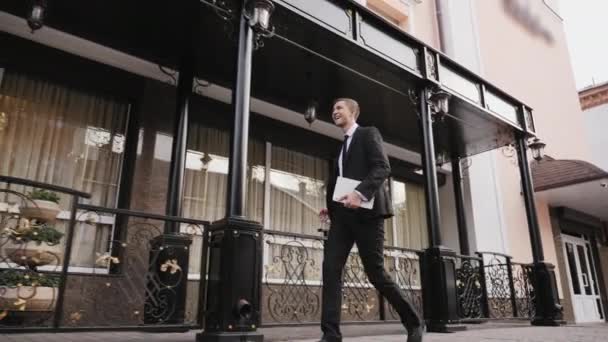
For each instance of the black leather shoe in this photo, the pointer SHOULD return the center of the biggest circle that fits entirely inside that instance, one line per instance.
(414, 334)
(330, 339)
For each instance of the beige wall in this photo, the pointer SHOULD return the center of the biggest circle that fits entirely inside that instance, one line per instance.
(424, 22)
(534, 66)
(418, 19)
(535, 70)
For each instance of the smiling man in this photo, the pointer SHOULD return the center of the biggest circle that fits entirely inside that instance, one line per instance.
(361, 158)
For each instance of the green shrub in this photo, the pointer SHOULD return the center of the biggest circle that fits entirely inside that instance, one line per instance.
(45, 195)
(12, 278)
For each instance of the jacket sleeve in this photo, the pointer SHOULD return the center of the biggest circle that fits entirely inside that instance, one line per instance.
(380, 168)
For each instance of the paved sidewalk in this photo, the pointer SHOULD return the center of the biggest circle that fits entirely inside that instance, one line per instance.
(479, 333)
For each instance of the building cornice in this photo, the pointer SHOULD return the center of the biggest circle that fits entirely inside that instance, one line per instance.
(593, 97)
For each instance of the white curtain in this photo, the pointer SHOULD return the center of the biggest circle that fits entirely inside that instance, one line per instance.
(410, 216)
(297, 191)
(63, 136)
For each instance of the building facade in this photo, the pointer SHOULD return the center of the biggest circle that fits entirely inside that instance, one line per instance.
(507, 42)
(140, 118)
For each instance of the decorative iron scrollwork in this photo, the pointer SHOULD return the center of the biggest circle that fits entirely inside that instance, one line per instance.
(431, 66)
(357, 300)
(405, 270)
(524, 290)
(293, 300)
(469, 288)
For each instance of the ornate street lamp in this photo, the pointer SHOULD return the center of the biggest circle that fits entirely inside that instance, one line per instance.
(440, 103)
(260, 16)
(537, 147)
(441, 158)
(311, 112)
(35, 19)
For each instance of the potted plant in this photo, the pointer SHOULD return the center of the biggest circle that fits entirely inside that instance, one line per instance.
(44, 206)
(33, 244)
(27, 291)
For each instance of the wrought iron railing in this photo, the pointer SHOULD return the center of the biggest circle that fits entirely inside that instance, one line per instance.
(94, 267)
(470, 287)
(106, 268)
(508, 287)
(292, 281)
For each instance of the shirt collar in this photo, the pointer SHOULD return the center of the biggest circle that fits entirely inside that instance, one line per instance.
(352, 130)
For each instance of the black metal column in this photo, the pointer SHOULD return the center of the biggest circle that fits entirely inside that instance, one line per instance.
(438, 267)
(461, 220)
(180, 129)
(546, 297)
(172, 245)
(528, 192)
(241, 98)
(180, 136)
(234, 244)
(431, 185)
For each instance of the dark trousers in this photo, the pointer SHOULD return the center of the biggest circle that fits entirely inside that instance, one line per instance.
(350, 227)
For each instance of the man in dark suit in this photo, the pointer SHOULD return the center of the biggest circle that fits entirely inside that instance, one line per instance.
(362, 158)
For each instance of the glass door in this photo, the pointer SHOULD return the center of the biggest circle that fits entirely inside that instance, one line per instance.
(583, 280)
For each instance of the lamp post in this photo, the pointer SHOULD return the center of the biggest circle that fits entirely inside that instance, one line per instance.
(438, 271)
(233, 245)
(548, 310)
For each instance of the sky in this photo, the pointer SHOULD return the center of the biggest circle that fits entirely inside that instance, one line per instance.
(586, 25)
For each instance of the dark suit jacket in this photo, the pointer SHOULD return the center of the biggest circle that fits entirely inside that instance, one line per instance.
(367, 162)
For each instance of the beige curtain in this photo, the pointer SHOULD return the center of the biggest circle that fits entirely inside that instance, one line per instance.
(410, 216)
(62, 136)
(67, 137)
(297, 191)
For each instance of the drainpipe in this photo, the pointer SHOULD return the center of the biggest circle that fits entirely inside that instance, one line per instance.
(443, 22)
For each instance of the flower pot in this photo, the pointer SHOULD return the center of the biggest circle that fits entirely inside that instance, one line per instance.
(27, 298)
(41, 210)
(32, 256)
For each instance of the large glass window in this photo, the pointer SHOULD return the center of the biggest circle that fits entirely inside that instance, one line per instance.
(68, 137)
(62, 136)
(206, 175)
(297, 191)
(409, 222)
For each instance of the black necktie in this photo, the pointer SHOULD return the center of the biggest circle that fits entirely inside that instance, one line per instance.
(344, 153)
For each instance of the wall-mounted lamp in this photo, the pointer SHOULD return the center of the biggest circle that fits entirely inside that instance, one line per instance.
(260, 17)
(440, 103)
(310, 115)
(538, 149)
(35, 18)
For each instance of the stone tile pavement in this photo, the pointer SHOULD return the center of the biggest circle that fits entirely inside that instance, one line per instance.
(494, 332)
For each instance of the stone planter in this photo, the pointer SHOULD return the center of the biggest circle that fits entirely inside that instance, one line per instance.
(32, 255)
(41, 210)
(27, 298)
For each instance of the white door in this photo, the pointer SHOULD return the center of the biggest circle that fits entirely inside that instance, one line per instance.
(583, 280)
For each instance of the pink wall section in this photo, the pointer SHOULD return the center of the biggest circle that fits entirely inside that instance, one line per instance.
(424, 24)
(535, 70)
(532, 64)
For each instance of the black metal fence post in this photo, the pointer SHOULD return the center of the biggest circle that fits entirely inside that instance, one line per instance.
(66, 263)
(512, 286)
(484, 287)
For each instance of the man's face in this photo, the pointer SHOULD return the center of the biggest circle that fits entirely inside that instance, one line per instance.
(342, 115)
